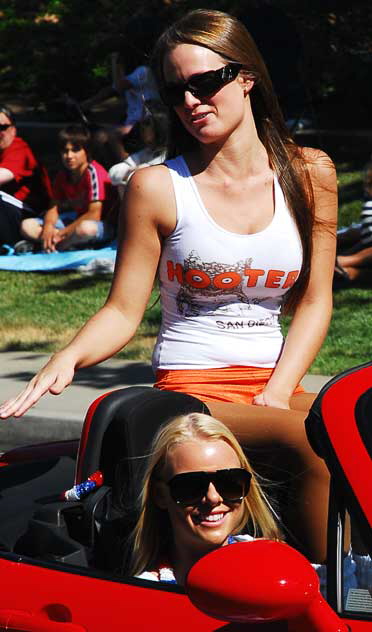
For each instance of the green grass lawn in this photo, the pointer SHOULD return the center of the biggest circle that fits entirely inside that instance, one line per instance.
(350, 187)
(40, 312)
(348, 342)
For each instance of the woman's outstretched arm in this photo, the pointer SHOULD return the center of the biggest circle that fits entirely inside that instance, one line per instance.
(312, 316)
(144, 220)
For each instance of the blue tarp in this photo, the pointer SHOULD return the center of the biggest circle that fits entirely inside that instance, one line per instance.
(99, 260)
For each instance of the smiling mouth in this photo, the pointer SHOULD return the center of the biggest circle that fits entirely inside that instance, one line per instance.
(209, 518)
(199, 117)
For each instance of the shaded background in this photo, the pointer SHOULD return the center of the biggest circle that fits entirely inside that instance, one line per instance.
(57, 46)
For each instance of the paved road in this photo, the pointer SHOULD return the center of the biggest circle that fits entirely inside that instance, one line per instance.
(61, 417)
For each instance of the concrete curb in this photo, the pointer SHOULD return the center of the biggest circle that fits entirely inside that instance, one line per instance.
(60, 418)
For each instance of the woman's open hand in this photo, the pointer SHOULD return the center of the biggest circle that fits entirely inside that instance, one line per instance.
(53, 378)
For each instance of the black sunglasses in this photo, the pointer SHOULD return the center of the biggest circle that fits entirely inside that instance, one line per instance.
(4, 126)
(203, 85)
(190, 487)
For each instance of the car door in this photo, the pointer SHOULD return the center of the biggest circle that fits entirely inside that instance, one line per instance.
(44, 598)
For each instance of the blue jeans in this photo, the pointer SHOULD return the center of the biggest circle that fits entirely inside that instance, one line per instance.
(105, 232)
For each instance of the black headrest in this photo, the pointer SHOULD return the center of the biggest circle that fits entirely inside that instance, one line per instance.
(119, 429)
(345, 389)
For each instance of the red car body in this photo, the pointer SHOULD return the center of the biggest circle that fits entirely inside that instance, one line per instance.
(57, 559)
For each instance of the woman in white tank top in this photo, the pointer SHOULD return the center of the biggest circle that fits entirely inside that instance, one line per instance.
(240, 221)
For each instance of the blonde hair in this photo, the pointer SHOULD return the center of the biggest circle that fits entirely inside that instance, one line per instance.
(152, 535)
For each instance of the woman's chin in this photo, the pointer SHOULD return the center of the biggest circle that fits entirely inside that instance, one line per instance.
(210, 541)
(214, 535)
(210, 137)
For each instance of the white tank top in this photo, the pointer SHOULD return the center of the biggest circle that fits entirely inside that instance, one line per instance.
(221, 292)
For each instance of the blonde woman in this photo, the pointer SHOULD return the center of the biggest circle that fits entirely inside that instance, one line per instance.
(199, 492)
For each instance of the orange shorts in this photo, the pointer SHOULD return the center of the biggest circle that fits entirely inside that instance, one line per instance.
(234, 384)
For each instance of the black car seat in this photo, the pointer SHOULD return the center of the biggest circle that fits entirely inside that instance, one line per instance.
(116, 438)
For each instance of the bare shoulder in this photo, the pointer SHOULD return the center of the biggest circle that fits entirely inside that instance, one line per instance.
(150, 194)
(321, 167)
(323, 178)
(151, 182)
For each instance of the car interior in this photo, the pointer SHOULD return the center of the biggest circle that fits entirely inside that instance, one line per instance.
(94, 531)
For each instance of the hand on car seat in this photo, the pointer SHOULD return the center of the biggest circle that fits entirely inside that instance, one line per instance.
(270, 399)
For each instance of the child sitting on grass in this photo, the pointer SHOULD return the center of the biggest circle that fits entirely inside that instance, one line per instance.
(84, 200)
(354, 244)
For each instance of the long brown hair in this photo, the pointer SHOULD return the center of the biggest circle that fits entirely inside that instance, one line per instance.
(152, 535)
(225, 35)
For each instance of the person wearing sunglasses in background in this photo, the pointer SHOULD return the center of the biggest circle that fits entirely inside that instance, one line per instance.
(238, 222)
(25, 188)
(199, 493)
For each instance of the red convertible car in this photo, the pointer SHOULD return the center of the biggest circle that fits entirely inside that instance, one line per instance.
(63, 563)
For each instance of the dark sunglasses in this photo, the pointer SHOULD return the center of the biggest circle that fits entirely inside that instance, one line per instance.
(190, 487)
(4, 126)
(203, 85)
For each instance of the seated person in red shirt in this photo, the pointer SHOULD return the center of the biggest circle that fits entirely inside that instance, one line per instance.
(84, 199)
(25, 188)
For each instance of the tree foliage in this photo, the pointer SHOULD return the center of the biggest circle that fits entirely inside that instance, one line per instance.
(49, 47)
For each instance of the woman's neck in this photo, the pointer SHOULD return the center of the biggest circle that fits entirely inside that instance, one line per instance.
(182, 567)
(241, 155)
(183, 559)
